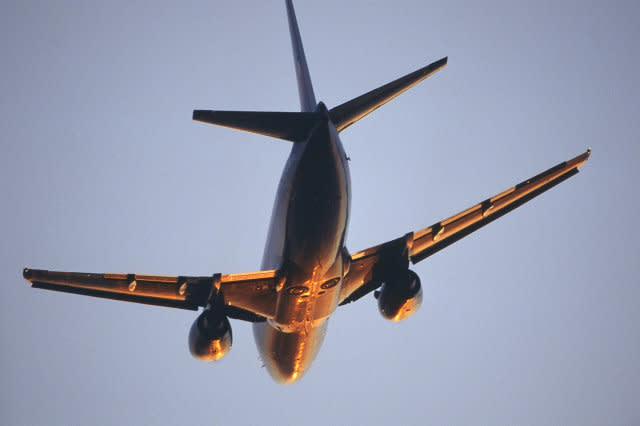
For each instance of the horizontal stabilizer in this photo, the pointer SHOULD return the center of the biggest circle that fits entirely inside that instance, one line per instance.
(349, 112)
(290, 126)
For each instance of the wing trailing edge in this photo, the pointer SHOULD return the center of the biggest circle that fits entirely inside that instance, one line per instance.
(431, 240)
(247, 296)
(370, 267)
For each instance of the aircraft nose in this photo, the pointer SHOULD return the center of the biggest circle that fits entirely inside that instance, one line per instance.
(288, 356)
(285, 373)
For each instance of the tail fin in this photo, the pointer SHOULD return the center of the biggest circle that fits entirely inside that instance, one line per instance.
(305, 89)
(349, 112)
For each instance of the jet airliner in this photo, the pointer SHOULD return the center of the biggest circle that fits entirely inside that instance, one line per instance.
(307, 271)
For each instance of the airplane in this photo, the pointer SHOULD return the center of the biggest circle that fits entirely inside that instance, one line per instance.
(307, 271)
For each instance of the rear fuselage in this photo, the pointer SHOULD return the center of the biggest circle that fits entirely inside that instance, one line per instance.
(305, 242)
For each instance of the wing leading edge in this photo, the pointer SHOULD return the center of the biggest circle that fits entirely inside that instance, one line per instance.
(248, 296)
(371, 266)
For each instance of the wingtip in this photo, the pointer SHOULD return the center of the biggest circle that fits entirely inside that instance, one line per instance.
(578, 161)
(440, 63)
(586, 156)
(201, 115)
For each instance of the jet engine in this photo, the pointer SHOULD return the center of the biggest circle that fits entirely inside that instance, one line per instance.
(400, 297)
(210, 336)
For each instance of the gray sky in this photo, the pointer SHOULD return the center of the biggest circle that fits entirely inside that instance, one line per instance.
(532, 320)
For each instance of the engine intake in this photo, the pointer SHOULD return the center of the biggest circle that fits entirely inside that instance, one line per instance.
(210, 336)
(401, 297)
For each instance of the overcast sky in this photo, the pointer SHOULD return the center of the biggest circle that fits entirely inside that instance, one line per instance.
(532, 320)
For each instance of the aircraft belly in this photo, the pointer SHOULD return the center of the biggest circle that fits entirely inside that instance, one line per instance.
(318, 207)
(301, 307)
(306, 240)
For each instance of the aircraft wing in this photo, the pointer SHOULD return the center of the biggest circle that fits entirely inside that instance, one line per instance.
(369, 267)
(248, 296)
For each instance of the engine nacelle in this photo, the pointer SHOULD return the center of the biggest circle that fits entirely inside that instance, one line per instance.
(210, 336)
(399, 298)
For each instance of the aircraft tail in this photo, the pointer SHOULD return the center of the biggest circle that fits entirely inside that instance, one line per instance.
(305, 89)
(349, 112)
(296, 126)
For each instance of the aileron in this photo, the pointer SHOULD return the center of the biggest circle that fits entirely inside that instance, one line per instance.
(430, 240)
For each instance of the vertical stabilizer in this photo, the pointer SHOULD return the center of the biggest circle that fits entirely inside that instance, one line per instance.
(305, 89)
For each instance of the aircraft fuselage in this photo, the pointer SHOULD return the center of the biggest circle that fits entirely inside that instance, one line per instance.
(305, 241)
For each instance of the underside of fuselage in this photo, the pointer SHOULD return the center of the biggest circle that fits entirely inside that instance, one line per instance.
(305, 241)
